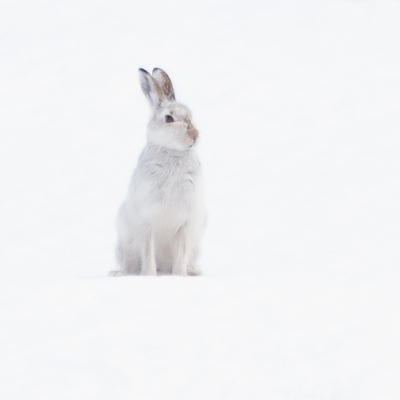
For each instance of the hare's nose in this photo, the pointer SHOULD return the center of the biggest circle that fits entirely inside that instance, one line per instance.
(193, 133)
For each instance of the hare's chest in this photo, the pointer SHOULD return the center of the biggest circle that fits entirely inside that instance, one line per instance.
(172, 180)
(171, 201)
(177, 188)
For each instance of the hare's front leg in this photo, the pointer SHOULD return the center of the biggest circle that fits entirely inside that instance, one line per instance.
(148, 256)
(182, 253)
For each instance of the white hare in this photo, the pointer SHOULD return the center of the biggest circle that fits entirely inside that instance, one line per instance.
(161, 222)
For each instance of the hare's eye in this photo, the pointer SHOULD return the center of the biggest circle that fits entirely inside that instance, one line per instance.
(168, 118)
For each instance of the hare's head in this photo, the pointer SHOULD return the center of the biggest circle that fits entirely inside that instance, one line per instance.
(171, 123)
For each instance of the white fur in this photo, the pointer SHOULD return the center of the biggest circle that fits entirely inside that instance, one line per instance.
(161, 222)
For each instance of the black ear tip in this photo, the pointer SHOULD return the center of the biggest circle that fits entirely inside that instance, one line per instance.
(143, 70)
(155, 70)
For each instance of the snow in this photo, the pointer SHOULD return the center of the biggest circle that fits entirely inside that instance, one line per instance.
(297, 104)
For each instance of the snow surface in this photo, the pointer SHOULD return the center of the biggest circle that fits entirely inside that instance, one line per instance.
(298, 106)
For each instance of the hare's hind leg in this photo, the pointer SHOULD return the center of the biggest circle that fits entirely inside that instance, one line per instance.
(131, 263)
(128, 261)
(119, 255)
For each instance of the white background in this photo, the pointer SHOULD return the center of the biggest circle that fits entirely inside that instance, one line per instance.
(298, 108)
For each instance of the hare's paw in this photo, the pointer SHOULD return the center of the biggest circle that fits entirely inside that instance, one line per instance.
(193, 270)
(116, 273)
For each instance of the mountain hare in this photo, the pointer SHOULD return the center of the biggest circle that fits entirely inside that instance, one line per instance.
(161, 222)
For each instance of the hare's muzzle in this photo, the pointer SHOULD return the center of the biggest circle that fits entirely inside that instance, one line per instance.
(192, 131)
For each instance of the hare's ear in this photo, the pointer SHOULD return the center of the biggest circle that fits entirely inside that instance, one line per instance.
(165, 84)
(150, 88)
